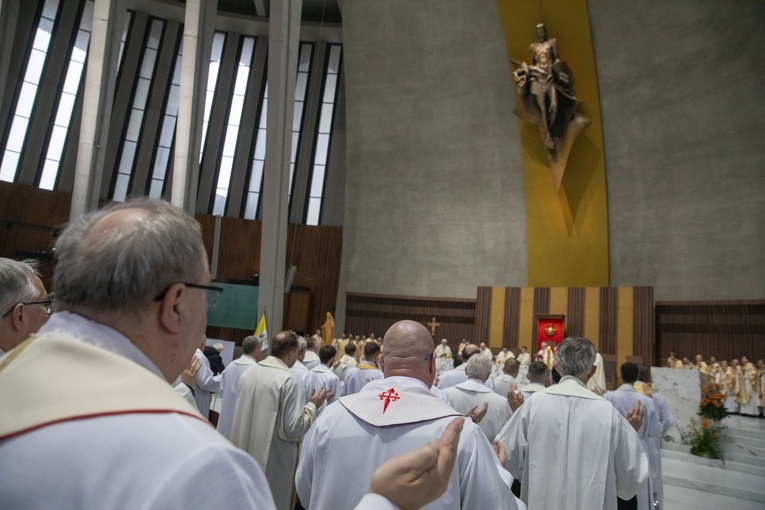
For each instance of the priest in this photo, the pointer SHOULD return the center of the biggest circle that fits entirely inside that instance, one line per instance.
(474, 393)
(507, 378)
(538, 376)
(391, 416)
(322, 376)
(654, 443)
(365, 371)
(570, 447)
(347, 361)
(624, 398)
(271, 416)
(443, 351)
(24, 302)
(251, 354)
(457, 375)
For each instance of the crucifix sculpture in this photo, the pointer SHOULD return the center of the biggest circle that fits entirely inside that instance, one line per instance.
(546, 98)
(433, 325)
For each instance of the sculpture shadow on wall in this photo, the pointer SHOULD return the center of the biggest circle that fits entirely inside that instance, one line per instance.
(577, 181)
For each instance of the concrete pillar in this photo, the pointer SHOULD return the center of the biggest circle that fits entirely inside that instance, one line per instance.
(197, 41)
(283, 52)
(100, 79)
(9, 17)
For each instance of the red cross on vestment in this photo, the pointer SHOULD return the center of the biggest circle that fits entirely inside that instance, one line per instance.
(388, 396)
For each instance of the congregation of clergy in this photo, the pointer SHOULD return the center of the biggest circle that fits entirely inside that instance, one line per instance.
(90, 421)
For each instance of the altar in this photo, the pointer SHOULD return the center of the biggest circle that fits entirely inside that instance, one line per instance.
(682, 391)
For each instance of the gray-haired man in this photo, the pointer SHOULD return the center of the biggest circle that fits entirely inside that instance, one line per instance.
(24, 303)
(570, 447)
(251, 354)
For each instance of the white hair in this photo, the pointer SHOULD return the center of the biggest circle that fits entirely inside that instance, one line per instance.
(17, 282)
(575, 356)
(478, 367)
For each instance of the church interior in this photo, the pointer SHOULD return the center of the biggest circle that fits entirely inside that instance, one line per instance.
(400, 179)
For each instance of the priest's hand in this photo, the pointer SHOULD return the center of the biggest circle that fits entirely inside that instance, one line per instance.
(514, 399)
(635, 415)
(189, 374)
(499, 449)
(318, 398)
(414, 479)
(476, 415)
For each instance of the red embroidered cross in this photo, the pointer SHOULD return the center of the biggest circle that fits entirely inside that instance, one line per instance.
(388, 396)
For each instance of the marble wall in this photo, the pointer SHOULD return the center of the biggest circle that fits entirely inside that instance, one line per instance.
(682, 391)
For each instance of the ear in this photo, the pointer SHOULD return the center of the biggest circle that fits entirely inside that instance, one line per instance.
(171, 311)
(18, 316)
(592, 371)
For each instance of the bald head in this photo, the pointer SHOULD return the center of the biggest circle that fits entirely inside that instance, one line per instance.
(469, 350)
(407, 345)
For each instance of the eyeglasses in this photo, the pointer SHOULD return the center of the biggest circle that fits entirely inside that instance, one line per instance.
(213, 293)
(46, 304)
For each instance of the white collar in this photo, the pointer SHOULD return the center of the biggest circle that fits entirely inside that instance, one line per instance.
(297, 366)
(570, 386)
(396, 400)
(474, 385)
(245, 359)
(99, 335)
(274, 362)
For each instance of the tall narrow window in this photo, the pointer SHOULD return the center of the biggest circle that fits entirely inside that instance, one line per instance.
(138, 108)
(232, 128)
(28, 94)
(258, 162)
(167, 135)
(259, 153)
(67, 99)
(212, 81)
(301, 88)
(323, 136)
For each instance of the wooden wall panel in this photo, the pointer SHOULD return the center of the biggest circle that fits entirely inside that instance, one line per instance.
(645, 324)
(512, 318)
(575, 312)
(725, 329)
(374, 313)
(608, 317)
(483, 313)
(30, 220)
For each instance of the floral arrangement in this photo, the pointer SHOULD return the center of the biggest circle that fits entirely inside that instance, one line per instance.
(704, 438)
(704, 435)
(712, 406)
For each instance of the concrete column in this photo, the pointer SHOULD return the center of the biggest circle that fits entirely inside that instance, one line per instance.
(100, 80)
(283, 48)
(197, 41)
(9, 17)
